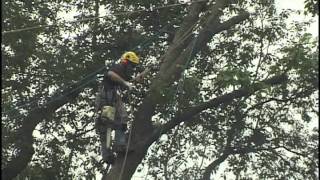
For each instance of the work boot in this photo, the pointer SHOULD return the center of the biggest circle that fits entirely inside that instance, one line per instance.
(107, 156)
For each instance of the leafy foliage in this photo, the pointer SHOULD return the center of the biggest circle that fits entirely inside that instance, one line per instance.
(264, 135)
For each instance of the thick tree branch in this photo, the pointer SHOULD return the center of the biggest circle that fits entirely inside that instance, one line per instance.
(146, 109)
(172, 57)
(212, 166)
(178, 41)
(24, 138)
(168, 76)
(211, 28)
(188, 113)
(205, 36)
(231, 151)
(246, 150)
(227, 149)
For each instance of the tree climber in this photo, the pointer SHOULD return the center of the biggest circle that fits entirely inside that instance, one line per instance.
(109, 105)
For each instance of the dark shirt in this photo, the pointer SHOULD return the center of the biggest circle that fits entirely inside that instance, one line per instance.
(120, 69)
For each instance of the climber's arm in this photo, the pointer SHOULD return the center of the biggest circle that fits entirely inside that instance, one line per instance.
(115, 77)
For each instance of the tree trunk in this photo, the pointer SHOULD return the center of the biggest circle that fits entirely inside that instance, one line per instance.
(143, 131)
(134, 158)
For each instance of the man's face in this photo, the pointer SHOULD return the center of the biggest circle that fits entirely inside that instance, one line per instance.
(132, 66)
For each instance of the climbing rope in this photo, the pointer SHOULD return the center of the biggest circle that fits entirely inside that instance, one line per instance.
(179, 87)
(128, 144)
(183, 37)
(130, 130)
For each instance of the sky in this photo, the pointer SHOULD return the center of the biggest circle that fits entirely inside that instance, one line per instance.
(299, 5)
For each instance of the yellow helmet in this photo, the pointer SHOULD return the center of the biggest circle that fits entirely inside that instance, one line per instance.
(131, 56)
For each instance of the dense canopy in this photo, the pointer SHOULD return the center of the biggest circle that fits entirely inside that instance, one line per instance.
(234, 93)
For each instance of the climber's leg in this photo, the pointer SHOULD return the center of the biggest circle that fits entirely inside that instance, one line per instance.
(120, 133)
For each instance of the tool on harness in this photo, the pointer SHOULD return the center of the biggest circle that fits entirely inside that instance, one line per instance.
(108, 119)
(111, 117)
(108, 112)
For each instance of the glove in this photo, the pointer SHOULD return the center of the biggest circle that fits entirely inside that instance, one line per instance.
(129, 85)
